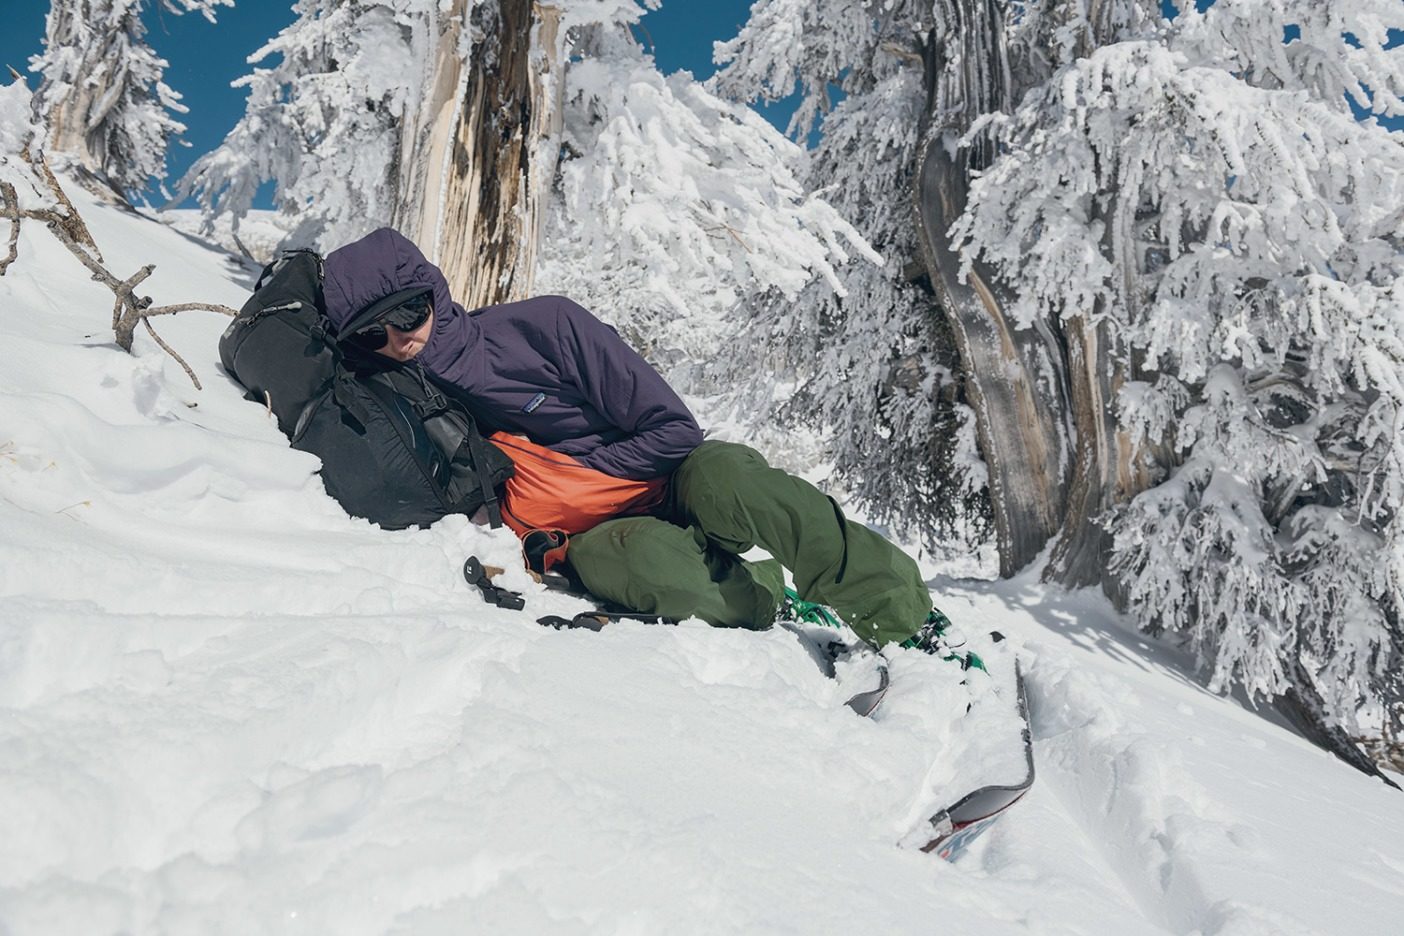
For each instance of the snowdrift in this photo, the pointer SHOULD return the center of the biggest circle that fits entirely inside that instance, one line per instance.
(227, 707)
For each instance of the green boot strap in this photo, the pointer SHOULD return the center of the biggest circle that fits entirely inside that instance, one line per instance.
(795, 608)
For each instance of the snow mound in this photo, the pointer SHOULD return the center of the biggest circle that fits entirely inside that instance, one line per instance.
(226, 707)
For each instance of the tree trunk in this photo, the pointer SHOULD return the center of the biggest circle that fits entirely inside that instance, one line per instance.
(72, 134)
(478, 161)
(1014, 377)
(1107, 469)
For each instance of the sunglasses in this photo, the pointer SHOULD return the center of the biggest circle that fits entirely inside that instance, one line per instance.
(407, 316)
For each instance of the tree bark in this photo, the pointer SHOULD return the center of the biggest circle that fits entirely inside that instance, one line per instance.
(1108, 468)
(1014, 377)
(477, 162)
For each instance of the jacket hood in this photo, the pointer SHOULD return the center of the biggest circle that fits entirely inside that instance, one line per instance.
(379, 264)
(385, 262)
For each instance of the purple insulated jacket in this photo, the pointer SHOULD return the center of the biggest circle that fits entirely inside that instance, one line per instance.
(543, 367)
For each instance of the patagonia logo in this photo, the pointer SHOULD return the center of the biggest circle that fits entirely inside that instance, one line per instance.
(535, 402)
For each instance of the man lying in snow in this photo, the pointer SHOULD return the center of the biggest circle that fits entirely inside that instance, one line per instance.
(569, 396)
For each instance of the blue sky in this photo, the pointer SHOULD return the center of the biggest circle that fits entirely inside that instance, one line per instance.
(205, 58)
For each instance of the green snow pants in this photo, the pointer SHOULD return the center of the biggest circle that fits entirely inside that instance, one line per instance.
(724, 500)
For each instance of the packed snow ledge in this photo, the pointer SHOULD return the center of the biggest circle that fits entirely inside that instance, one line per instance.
(225, 707)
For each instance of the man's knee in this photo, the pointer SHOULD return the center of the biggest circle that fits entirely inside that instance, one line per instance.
(719, 461)
(715, 487)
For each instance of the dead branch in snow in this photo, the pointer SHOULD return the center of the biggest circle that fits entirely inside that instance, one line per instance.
(64, 222)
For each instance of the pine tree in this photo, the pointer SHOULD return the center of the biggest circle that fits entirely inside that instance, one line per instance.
(102, 94)
(674, 204)
(1171, 256)
(873, 363)
(323, 122)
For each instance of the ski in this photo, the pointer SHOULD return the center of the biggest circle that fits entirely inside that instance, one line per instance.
(828, 648)
(866, 703)
(949, 831)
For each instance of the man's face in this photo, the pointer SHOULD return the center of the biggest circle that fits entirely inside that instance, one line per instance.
(405, 345)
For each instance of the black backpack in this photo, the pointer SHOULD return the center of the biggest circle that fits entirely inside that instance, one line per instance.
(396, 447)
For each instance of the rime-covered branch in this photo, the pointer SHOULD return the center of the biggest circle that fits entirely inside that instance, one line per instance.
(102, 93)
(1257, 283)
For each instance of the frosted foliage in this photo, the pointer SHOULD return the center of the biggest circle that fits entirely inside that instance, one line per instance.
(577, 14)
(323, 121)
(785, 42)
(1338, 49)
(872, 365)
(1217, 205)
(102, 89)
(815, 44)
(1045, 35)
(674, 204)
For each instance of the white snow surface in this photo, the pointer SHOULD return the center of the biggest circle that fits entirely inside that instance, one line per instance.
(260, 230)
(226, 707)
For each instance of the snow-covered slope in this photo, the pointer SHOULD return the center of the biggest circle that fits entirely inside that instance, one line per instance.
(225, 707)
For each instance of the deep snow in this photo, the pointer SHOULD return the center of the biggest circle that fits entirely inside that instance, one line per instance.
(227, 707)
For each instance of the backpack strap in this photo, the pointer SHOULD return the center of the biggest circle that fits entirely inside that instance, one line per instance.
(434, 403)
(345, 397)
(474, 440)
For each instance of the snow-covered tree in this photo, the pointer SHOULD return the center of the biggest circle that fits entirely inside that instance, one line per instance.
(323, 121)
(874, 362)
(102, 93)
(667, 204)
(674, 205)
(431, 116)
(1225, 227)
(1170, 255)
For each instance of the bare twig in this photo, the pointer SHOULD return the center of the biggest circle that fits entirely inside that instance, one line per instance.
(737, 237)
(67, 226)
(190, 307)
(171, 351)
(905, 54)
(718, 224)
(71, 220)
(242, 249)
